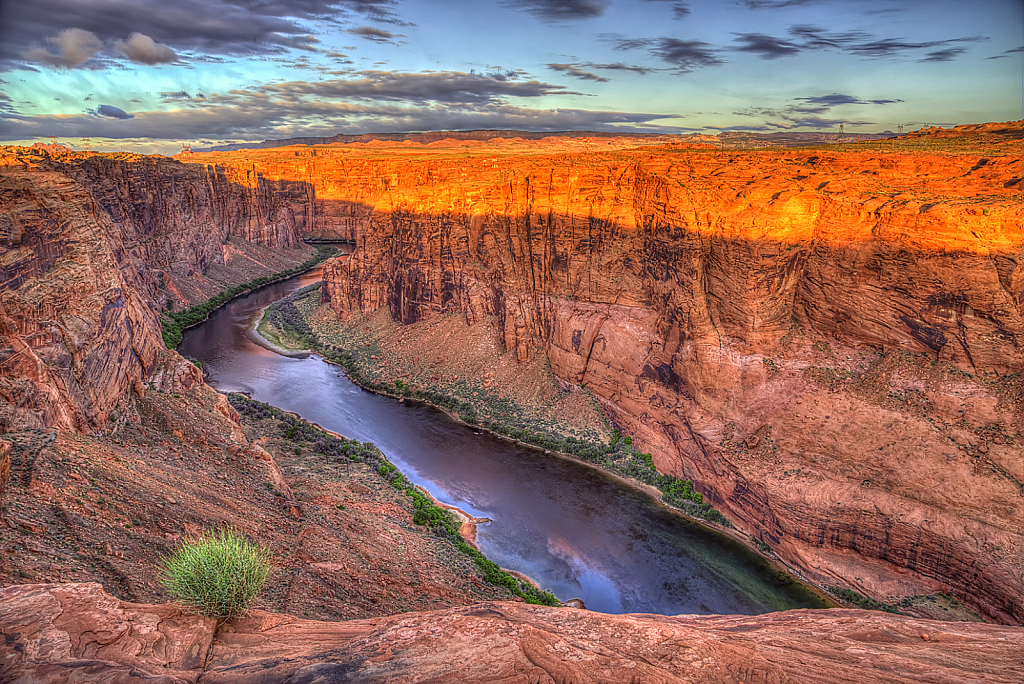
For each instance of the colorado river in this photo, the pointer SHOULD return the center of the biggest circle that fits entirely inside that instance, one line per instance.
(576, 531)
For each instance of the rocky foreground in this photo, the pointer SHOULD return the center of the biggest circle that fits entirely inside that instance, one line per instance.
(78, 633)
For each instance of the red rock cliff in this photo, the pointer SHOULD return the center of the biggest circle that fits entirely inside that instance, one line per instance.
(86, 242)
(828, 343)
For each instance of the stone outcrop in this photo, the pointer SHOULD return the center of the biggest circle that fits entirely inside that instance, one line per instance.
(88, 243)
(76, 633)
(828, 343)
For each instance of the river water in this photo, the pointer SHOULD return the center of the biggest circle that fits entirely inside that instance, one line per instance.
(574, 530)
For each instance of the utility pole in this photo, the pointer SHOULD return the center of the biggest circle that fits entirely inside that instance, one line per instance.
(85, 143)
(53, 138)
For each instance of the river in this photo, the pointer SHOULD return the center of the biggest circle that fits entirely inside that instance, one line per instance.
(574, 530)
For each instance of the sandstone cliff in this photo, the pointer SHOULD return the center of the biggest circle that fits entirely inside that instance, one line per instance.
(90, 245)
(76, 633)
(829, 343)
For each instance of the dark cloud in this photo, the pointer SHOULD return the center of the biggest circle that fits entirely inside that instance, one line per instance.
(816, 122)
(375, 35)
(561, 10)
(686, 55)
(623, 44)
(766, 46)
(805, 115)
(384, 86)
(776, 4)
(577, 72)
(806, 38)
(113, 112)
(891, 47)
(619, 66)
(1007, 53)
(946, 55)
(679, 9)
(836, 99)
(204, 27)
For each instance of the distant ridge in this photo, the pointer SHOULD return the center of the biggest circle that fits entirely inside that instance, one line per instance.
(426, 137)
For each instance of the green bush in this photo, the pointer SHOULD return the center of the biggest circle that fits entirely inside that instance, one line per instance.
(217, 574)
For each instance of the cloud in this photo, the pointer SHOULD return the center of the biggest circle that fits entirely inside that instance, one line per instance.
(113, 112)
(202, 27)
(1007, 53)
(142, 49)
(805, 115)
(766, 46)
(806, 38)
(836, 99)
(368, 100)
(561, 10)
(946, 55)
(686, 55)
(622, 44)
(179, 95)
(619, 66)
(679, 9)
(575, 71)
(375, 35)
(76, 46)
(776, 4)
(385, 86)
(317, 118)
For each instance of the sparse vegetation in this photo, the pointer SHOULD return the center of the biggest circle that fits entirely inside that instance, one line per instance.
(851, 596)
(217, 574)
(176, 322)
(481, 407)
(439, 521)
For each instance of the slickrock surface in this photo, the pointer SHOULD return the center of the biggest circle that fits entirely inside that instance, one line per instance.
(828, 342)
(76, 633)
(104, 508)
(89, 245)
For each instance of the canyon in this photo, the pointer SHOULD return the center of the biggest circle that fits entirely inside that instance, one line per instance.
(828, 342)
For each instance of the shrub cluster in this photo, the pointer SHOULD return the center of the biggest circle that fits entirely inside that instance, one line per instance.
(217, 574)
(176, 322)
(851, 596)
(438, 520)
(286, 317)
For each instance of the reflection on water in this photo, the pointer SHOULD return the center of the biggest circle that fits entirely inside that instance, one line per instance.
(576, 531)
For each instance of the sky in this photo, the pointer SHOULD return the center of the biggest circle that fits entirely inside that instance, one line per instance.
(149, 75)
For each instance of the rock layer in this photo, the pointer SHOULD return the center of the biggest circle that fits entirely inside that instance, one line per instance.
(88, 241)
(751, 318)
(65, 633)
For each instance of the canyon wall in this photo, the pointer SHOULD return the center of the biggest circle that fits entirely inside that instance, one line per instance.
(90, 243)
(828, 343)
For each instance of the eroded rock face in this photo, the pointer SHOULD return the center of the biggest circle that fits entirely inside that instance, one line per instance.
(76, 633)
(86, 241)
(828, 343)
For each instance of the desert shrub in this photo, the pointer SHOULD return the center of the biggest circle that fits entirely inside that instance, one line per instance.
(217, 574)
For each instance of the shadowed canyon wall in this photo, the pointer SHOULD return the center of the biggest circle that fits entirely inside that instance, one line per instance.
(88, 241)
(829, 344)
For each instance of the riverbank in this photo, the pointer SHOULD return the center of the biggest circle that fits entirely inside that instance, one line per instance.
(176, 322)
(480, 386)
(379, 355)
(335, 450)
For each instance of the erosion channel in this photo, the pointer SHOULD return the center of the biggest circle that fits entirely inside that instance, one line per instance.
(574, 530)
